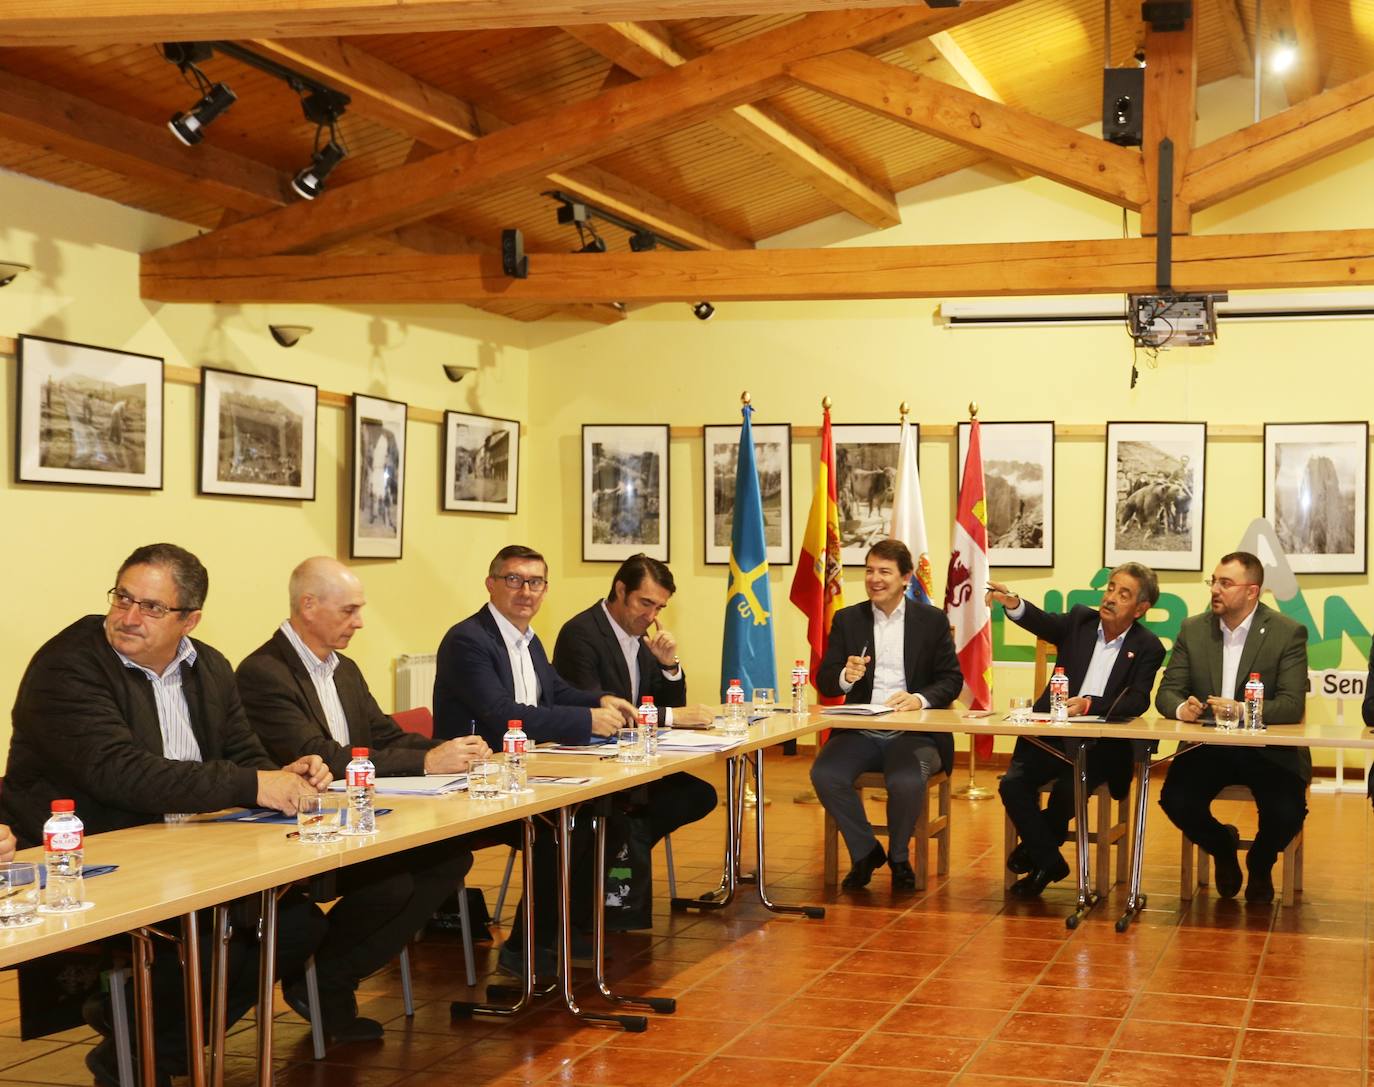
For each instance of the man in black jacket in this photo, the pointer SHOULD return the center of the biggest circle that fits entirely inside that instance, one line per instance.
(303, 697)
(136, 722)
(894, 651)
(1111, 661)
(608, 647)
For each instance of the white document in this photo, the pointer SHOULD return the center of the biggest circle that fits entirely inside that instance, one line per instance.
(857, 709)
(674, 740)
(419, 785)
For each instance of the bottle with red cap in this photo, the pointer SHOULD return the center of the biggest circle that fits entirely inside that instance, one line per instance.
(64, 849)
(361, 777)
(515, 745)
(648, 727)
(1059, 696)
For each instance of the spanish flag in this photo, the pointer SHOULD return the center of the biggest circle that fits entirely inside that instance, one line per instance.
(818, 586)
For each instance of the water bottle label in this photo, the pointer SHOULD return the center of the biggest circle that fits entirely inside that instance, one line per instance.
(735, 695)
(515, 745)
(361, 779)
(63, 841)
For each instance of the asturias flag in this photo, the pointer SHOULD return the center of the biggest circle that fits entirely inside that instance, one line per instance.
(818, 585)
(909, 516)
(966, 588)
(747, 654)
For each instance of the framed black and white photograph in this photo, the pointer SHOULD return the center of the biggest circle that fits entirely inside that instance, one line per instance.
(773, 459)
(1316, 478)
(481, 471)
(379, 477)
(257, 436)
(1018, 480)
(624, 491)
(866, 483)
(86, 415)
(1156, 475)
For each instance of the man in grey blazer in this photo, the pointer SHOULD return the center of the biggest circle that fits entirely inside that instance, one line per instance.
(1212, 659)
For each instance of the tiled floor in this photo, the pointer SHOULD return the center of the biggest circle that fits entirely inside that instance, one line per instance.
(955, 985)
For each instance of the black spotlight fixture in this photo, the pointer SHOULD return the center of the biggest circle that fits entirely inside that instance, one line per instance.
(309, 183)
(592, 242)
(514, 263)
(215, 98)
(641, 241)
(703, 311)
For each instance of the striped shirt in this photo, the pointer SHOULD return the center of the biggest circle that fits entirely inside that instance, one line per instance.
(322, 676)
(173, 714)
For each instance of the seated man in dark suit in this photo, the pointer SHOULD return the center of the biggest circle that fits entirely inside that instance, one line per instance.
(1111, 661)
(491, 669)
(1213, 657)
(913, 666)
(303, 697)
(137, 722)
(608, 648)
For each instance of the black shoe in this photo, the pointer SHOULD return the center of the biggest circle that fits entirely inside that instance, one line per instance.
(511, 960)
(104, 1066)
(358, 1029)
(863, 870)
(1018, 861)
(1259, 888)
(297, 998)
(1229, 875)
(1034, 882)
(95, 1010)
(903, 876)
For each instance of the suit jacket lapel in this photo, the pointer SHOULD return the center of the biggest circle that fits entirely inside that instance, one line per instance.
(1214, 657)
(502, 651)
(195, 710)
(1125, 661)
(1253, 641)
(292, 659)
(613, 651)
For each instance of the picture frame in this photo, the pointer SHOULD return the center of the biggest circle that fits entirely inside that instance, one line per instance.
(1316, 483)
(88, 416)
(866, 483)
(481, 469)
(773, 459)
(1018, 481)
(625, 506)
(1156, 476)
(378, 470)
(257, 436)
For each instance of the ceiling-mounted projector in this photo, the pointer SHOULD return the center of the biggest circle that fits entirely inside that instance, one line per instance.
(1162, 321)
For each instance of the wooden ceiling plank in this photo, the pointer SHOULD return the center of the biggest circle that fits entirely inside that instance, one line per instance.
(48, 117)
(1170, 112)
(649, 51)
(440, 120)
(1304, 80)
(1278, 145)
(1109, 266)
(589, 129)
(1236, 35)
(1044, 147)
(70, 22)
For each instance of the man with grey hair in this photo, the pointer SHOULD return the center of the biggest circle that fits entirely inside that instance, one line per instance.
(304, 697)
(1111, 661)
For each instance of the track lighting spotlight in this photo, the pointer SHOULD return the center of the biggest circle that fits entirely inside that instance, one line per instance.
(456, 373)
(309, 183)
(641, 241)
(289, 335)
(189, 127)
(593, 244)
(703, 311)
(9, 270)
(514, 263)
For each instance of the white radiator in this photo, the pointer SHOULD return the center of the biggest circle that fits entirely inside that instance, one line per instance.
(414, 681)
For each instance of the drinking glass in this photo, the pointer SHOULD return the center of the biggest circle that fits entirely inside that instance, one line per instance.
(18, 894)
(1227, 714)
(764, 699)
(319, 818)
(485, 779)
(1019, 710)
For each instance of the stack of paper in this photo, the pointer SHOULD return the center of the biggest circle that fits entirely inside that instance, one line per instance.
(857, 709)
(420, 785)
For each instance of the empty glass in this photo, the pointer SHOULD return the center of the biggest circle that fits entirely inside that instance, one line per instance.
(319, 818)
(18, 894)
(485, 779)
(1019, 710)
(1227, 714)
(764, 699)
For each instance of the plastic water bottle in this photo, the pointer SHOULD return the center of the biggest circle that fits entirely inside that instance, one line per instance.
(1254, 702)
(514, 744)
(1059, 697)
(800, 674)
(64, 848)
(648, 725)
(361, 777)
(736, 717)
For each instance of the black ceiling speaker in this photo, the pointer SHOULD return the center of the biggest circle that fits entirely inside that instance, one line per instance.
(513, 260)
(1123, 105)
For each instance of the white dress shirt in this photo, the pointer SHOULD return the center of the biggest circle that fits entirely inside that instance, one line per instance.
(521, 666)
(889, 661)
(1103, 659)
(1232, 646)
(173, 715)
(629, 647)
(321, 674)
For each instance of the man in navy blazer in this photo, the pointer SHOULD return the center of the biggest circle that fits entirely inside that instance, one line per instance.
(492, 669)
(899, 652)
(1111, 661)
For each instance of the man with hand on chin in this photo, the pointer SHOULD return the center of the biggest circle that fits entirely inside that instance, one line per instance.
(1111, 661)
(897, 652)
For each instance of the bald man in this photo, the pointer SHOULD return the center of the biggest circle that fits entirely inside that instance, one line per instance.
(301, 694)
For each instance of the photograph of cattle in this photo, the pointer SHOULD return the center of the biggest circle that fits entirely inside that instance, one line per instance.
(866, 484)
(88, 415)
(1315, 482)
(257, 436)
(1018, 479)
(379, 466)
(773, 459)
(624, 492)
(1156, 473)
(481, 471)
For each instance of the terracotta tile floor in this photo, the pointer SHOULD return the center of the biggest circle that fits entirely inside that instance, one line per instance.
(954, 985)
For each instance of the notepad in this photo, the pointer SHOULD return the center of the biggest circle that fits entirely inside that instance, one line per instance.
(414, 785)
(857, 709)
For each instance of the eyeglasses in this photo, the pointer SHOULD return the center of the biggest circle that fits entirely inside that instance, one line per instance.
(516, 582)
(122, 601)
(1224, 583)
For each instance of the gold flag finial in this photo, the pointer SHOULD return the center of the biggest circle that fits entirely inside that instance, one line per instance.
(973, 409)
(744, 397)
(905, 409)
(826, 403)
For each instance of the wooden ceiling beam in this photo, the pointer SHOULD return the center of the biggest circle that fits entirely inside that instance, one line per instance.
(1170, 112)
(599, 126)
(75, 22)
(1114, 266)
(440, 120)
(1278, 145)
(650, 51)
(1237, 37)
(1305, 78)
(1009, 135)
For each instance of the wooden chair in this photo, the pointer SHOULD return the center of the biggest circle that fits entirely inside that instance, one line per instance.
(1195, 860)
(419, 720)
(926, 829)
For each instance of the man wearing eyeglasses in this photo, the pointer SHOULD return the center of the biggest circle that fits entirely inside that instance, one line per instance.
(492, 669)
(1213, 657)
(135, 721)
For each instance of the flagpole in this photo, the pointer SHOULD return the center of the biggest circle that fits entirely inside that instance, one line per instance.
(808, 796)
